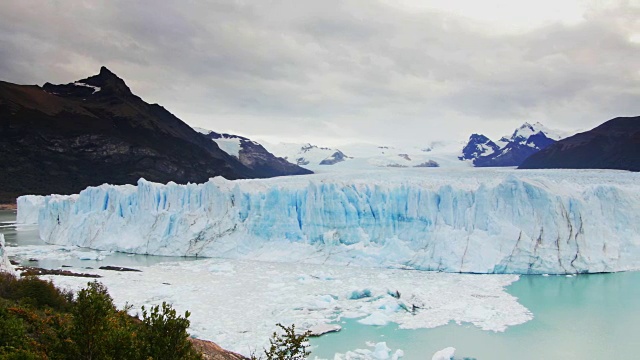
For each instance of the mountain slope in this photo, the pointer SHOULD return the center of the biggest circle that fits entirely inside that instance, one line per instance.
(509, 150)
(253, 155)
(63, 138)
(612, 145)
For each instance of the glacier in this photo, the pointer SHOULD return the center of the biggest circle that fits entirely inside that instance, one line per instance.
(29, 206)
(451, 220)
(5, 264)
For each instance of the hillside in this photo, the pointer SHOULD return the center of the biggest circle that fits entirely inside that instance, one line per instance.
(612, 145)
(63, 138)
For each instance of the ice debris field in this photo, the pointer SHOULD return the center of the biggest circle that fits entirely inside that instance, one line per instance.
(237, 303)
(460, 220)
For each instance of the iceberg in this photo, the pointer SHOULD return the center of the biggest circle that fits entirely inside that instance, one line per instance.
(444, 354)
(464, 220)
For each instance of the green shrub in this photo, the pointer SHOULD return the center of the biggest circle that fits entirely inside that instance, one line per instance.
(287, 346)
(165, 334)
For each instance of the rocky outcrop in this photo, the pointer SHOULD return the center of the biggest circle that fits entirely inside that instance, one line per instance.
(211, 351)
(335, 158)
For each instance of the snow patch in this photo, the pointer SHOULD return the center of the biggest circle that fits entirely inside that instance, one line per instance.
(95, 88)
(231, 146)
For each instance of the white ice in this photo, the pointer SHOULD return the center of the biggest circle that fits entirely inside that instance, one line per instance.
(454, 220)
(5, 265)
(380, 351)
(237, 303)
(444, 354)
(28, 209)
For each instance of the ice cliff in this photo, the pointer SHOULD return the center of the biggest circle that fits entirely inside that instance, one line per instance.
(5, 265)
(29, 206)
(470, 220)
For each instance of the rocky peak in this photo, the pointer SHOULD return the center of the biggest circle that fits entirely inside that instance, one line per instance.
(478, 145)
(105, 83)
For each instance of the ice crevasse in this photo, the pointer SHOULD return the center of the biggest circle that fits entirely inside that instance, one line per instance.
(481, 221)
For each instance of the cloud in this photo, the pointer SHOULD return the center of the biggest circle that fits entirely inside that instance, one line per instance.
(326, 70)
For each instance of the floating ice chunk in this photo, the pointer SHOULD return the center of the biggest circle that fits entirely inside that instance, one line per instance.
(90, 255)
(321, 329)
(444, 354)
(380, 352)
(359, 294)
(377, 318)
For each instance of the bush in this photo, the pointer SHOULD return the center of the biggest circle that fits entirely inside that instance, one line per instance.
(288, 346)
(165, 334)
(39, 321)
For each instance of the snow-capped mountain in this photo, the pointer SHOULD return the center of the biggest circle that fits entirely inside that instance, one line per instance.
(612, 145)
(510, 150)
(364, 156)
(478, 145)
(253, 155)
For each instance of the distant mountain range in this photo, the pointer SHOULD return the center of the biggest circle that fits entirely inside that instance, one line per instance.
(511, 150)
(612, 145)
(63, 138)
(253, 155)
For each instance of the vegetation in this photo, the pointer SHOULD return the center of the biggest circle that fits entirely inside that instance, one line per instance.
(287, 346)
(39, 321)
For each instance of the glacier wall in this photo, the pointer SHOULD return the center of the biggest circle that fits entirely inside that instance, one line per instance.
(29, 208)
(5, 264)
(492, 221)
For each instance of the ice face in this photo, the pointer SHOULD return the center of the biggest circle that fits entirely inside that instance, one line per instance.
(28, 209)
(5, 265)
(480, 221)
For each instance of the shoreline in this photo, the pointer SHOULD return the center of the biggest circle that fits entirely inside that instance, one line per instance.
(9, 206)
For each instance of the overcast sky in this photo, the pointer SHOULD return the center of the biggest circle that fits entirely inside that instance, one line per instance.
(336, 71)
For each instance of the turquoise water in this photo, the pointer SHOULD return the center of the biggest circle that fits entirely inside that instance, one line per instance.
(583, 317)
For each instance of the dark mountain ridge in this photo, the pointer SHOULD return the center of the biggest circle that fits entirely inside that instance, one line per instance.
(612, 145)
(254, 156)
(63, 138)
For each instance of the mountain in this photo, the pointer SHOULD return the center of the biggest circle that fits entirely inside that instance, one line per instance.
(364, 156)
(478, 146)
(253, 155)
(308, 155)
(63, 138)
(509, 150)
(612, 145)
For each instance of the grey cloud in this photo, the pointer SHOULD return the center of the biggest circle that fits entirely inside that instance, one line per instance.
(311, 67)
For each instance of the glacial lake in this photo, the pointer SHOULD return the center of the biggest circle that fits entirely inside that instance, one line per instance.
(580, 317)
